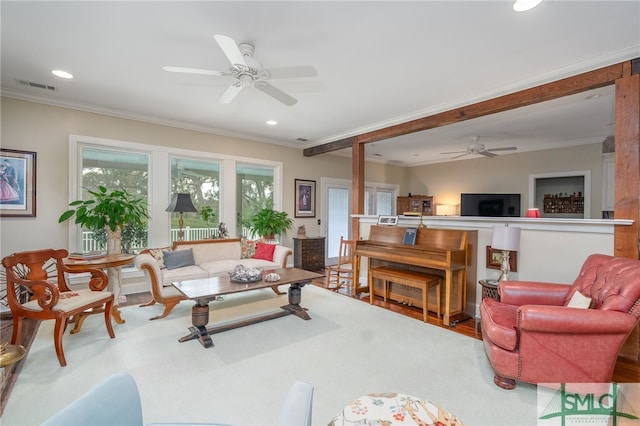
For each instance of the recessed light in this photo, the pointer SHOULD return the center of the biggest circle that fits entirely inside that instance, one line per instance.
(272, 122)
(524, 5)
(61, 74)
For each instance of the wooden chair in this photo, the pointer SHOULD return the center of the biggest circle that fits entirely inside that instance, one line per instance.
(42, 274)
(342, 273)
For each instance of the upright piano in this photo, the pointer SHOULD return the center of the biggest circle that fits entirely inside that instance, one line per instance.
(450, 253)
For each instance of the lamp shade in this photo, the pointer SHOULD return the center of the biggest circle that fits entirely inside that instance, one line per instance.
(532, 213)
(506, 238)
(181, 203)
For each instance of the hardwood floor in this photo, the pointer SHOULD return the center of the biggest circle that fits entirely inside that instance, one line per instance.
(626, 370)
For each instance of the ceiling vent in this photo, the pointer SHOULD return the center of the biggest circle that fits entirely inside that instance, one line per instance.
(302, 140)
(37, 85)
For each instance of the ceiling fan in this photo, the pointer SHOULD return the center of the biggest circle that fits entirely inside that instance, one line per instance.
(479, 148)
(248, 71)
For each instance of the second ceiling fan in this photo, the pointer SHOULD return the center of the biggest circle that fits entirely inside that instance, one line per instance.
(479, 148)
(249, 72)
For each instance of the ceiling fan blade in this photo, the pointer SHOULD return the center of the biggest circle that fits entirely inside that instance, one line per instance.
(230, 94)
(454, 152)
(230, 49)
(508, 148)
(276, 93)
(193, 71)
(487, 154)
(461, 155)
(292, 72)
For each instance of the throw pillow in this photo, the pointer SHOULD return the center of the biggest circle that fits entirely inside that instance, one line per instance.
(158, 255)
(248, 248)
(264, 251)
(178, 258)
(578, 300)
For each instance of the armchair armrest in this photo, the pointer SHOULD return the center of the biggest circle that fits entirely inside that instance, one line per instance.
(45, 292)
(560, 319)
(532, 293)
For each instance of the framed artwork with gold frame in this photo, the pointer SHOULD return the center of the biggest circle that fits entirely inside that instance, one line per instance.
(18, 180)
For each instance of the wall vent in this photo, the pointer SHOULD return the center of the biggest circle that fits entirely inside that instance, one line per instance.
(37, 85)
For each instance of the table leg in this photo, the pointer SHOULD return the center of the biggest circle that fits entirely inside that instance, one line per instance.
(199, 319)
(295, 295)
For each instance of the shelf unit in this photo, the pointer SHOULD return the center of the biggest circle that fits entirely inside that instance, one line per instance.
(559, 203)
(416, 204)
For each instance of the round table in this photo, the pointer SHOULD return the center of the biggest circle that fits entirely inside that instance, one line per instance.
(391, 409)
(112, 263)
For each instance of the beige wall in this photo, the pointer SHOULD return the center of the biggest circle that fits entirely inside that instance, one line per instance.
(45, 129)
(506, 173)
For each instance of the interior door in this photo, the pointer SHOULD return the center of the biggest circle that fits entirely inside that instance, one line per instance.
(336, 221)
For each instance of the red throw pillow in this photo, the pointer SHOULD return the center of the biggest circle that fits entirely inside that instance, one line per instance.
(264, 251)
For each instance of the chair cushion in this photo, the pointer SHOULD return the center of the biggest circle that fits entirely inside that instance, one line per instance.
(264, 251)
(178, 258)
(70, 300)
(499, 322)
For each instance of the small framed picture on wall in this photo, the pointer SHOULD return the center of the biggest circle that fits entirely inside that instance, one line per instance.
(305, 198)
(17, 183)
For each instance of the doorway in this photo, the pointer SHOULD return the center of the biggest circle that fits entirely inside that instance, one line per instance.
(336, 213)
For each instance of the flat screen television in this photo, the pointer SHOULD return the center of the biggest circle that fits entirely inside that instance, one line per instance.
(490, 205)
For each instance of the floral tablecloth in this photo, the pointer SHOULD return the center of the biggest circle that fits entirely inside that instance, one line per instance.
(393, 409)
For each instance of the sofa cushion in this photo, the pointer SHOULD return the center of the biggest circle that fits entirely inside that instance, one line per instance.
(158, 255)
(193, 272)
(248, 248)
(178, 258)
(264, 251)
(499, 323)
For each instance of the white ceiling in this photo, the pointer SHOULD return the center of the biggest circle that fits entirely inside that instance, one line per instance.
(379, 63)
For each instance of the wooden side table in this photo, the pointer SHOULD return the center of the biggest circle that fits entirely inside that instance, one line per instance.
(490, 289)
(112, 264)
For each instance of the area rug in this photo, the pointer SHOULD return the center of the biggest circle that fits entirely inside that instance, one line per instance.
(348, 349)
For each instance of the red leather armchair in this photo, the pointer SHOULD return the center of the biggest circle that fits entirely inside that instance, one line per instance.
(531, 334)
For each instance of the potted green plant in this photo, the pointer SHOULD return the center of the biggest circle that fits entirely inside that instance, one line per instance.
(111, 211)
(268, 222)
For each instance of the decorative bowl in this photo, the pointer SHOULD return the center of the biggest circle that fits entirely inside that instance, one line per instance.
(243, 274)
(272, 277)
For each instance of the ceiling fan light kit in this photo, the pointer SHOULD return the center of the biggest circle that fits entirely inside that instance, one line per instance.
(248, 72)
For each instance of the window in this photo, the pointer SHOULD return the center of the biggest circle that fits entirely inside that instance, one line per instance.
(379, 199)
(255, 191)
(113, 169)
(252, 182)
(200, 179)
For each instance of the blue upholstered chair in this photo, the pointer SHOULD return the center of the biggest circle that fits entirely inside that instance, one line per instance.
(124, 407)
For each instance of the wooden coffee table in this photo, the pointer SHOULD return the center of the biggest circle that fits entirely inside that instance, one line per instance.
(207, 289)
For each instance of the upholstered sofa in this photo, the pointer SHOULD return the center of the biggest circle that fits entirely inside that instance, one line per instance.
(561, 333)
(190, 260)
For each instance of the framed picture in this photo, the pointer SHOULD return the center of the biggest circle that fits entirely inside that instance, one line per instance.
(388, 220)
(494, 259)
(17, 183)
(305, 198)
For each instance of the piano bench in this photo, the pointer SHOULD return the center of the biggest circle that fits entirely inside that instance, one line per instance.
(414, 279)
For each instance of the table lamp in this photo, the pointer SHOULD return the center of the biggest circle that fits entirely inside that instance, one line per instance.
(181, 203)
(505, 238)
